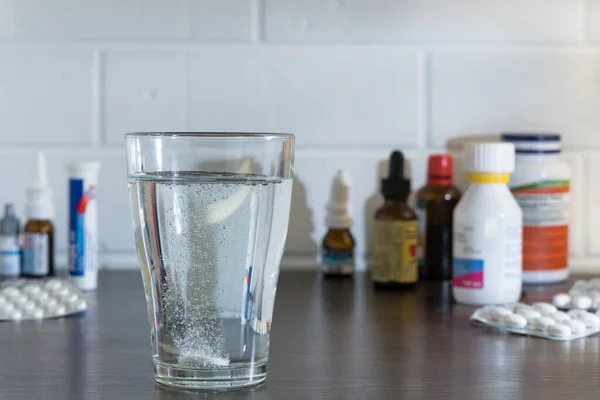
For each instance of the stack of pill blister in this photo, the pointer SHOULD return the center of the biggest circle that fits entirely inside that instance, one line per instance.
(540, 319)
(40, 299)
(583, 295)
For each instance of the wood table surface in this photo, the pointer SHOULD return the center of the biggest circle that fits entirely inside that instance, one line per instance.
(331, 339)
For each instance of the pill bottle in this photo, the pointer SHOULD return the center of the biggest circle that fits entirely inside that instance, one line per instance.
(541, 185)
(336, 258)
(487, 234)
(435, 204)
(395, 232)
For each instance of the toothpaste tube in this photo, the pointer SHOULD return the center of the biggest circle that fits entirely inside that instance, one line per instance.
(83, 224)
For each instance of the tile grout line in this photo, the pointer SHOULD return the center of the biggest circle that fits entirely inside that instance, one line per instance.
(423, 139)
(256, 21)
(96, 117)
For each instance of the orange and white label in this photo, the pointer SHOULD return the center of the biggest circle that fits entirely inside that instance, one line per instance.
(545, 208)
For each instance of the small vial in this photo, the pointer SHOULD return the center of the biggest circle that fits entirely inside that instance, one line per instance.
(337, 249)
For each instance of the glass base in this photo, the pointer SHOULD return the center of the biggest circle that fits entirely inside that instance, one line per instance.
(231, 378)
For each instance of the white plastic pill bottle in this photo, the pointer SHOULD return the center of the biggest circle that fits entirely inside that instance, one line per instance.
(487, 229)
(541, 185)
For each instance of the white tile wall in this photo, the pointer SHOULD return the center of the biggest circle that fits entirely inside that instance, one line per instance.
(327, 96)
(447, 21)
(352, 78)
(45, 96)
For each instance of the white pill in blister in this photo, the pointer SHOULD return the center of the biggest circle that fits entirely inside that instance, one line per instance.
(41, 297)
(50, 302)
(516, 306)
(529, 313)
(590, 320)
(577, 327)
(69, 297)
(542, 323)
(582, 302)
(560, 316)
(59, 310)
(2, 299)
(513, 321)
(80, 305)
(15, 314)
(11, 292)
(558, 330)
(31, 289)
(53, 285)
(561, 300)
(36, 313)
(544, 308)
(28, 306)
(497, 313)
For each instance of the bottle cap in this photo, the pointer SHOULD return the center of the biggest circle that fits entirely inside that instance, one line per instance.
(39, 195)
(439, 170)
(490, 157)
(337, 208)
(534, 143)
(396, 186)
(9, 224)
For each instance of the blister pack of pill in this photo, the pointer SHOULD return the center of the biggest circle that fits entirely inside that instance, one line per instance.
(539, 319)
(583, 295)
(50, 298)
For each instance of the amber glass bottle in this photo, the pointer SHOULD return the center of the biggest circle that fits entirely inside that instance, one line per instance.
(435, 203)
(395, 232)
(337, 249)
(38, 249)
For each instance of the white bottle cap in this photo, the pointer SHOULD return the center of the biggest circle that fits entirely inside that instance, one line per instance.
(489, 157)
(337, 208)
(39, 195)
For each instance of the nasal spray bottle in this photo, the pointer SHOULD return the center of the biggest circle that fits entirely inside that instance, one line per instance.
(83, 224)
(337, 250)
(38, 238)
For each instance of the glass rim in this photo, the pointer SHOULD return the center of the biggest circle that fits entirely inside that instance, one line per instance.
(208, 135)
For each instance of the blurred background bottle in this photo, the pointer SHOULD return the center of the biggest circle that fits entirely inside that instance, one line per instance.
(435, 204)
(10, 250)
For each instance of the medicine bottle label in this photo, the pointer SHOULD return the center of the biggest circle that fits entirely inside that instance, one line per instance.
(395, 251)
(421, 211)
(35, 254)
(335, 261)
(545, 206)
(474, 252)
(10, 256)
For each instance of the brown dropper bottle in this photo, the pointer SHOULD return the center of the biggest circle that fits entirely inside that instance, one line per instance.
(435, 204)
(395, 232)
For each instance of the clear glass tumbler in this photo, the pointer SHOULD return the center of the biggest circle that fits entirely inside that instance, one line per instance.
(210, 213)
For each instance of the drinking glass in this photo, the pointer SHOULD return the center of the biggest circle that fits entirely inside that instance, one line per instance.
(210, 214)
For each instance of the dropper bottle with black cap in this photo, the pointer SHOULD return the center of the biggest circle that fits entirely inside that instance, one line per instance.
(395, 236)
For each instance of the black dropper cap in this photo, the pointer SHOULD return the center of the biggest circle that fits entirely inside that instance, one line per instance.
(396, 186)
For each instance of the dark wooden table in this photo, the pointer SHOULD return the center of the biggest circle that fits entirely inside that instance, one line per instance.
(331, 339)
